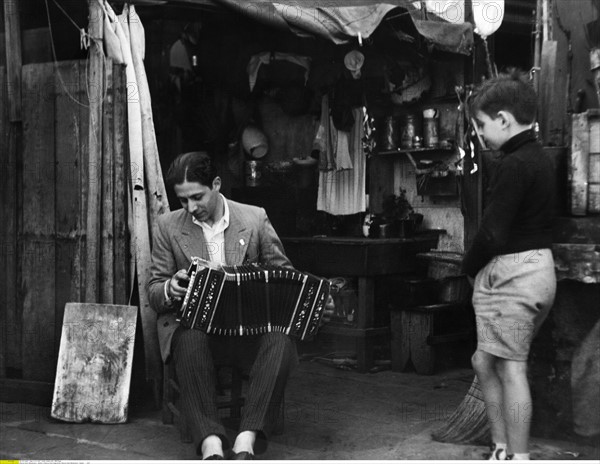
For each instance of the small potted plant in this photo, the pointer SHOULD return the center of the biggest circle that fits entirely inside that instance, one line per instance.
(399, 214)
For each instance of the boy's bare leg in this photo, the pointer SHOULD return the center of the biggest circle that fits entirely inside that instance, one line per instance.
(484, 365)
(518, 409)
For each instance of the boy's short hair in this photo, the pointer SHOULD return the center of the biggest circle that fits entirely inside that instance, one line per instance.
(508, 92)
(194, 166)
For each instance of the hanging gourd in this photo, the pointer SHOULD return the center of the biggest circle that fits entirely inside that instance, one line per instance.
(488, 16)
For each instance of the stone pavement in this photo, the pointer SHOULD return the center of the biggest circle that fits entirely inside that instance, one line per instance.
(330, 414)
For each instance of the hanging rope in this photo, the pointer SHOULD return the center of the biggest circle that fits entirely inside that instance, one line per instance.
(85, 40)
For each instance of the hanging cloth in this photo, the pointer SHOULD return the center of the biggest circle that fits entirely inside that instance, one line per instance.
(342, 192)
(324, 143)
(343, 159)
(267, 57)
(333, 145)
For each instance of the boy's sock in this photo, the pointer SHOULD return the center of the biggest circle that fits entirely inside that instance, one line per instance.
(498, 452)
(519, 457)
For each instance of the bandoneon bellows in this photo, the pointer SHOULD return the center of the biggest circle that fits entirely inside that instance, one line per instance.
(252, 299)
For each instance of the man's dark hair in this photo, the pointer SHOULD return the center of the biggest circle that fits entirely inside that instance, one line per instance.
(194, 166)
(508, 92)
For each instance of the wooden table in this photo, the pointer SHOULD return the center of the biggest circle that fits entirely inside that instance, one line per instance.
(364, 258)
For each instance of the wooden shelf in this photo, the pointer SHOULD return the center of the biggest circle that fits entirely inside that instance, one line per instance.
(415, 151)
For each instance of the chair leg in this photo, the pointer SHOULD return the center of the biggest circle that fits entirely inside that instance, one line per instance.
(184, 431)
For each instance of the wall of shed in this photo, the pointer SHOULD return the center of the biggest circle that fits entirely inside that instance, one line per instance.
(45, 172)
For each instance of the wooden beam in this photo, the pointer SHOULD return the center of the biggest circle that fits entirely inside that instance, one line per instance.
(12, 30)
(122, 261)
(96, 85)
(107, 186)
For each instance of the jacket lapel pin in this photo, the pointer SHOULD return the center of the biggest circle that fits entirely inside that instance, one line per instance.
(242, 242)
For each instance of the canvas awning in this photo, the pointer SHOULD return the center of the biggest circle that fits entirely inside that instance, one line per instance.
(442, 22)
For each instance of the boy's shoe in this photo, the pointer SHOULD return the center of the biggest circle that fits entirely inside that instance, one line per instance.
(495, 454)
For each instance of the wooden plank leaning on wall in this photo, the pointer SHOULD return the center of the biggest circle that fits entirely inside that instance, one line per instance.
(105, 179)
(95, 85)
(122, 262)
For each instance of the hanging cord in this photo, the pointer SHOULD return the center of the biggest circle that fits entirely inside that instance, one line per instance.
(85, 40)
(60, 78)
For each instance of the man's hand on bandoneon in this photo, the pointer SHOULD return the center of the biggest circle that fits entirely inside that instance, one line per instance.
(178, 284)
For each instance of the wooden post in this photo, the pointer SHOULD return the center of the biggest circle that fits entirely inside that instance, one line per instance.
(537, 50)
(79, 264)
(96, 91)
(106, 228)
(120, 210)
(12, 31)
(550, 111)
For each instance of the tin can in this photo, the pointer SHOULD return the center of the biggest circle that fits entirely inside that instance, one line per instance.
(430, 128)
(253, 173)
(409, 130)
(389, 134)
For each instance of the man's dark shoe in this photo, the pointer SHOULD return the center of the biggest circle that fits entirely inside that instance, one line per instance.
(243, 456)
(214, 457)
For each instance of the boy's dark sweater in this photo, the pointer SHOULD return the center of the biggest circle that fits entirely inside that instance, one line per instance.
(520, 210)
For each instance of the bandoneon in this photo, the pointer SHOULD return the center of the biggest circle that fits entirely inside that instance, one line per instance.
(252, 299)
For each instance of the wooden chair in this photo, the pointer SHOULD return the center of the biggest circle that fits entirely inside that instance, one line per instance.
(229, 391)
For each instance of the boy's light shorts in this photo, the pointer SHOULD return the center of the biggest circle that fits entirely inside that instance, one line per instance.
(512, 296)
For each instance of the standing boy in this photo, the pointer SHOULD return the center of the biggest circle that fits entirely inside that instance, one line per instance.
(511, 259)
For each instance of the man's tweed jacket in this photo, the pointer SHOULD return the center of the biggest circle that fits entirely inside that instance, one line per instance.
(250, 237)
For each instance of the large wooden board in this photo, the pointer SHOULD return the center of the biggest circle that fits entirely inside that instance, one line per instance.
(37, 245)
(93, 374)
(68, 189)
